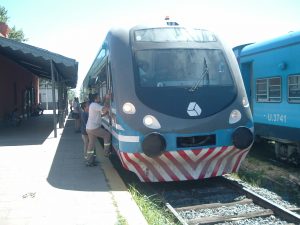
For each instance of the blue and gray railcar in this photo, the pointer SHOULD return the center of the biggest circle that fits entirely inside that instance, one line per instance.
(271, 73)
(179, 110)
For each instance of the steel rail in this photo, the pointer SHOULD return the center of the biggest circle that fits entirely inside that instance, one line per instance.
(181, 220)
(259, 200)
(271, 208)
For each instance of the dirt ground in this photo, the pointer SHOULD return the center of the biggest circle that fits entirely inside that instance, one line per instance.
(261, 165)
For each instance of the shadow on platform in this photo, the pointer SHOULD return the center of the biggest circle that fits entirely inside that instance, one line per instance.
(68, 170)
(32, 131)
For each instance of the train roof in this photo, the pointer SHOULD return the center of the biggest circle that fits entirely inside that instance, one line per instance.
(278, 42)
(152, 33)
(152, 26)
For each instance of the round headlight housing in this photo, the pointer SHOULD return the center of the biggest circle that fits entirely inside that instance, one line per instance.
(242, 137)
(148, 121)
(245, 102)
(129, 108)
(235, 116)
(151, 122)
(154, 145)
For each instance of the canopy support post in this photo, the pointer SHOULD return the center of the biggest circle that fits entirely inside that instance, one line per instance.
(53, 99)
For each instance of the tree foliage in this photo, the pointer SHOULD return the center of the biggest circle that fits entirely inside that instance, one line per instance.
(17, 35)
(14, 33)
(3, 15)
(71, 94)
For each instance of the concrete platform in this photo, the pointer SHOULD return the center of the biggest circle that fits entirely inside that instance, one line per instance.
(44, 181)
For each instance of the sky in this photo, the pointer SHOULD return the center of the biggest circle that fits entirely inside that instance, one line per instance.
(76, 28)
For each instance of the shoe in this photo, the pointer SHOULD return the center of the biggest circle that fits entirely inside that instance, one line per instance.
(107, 153)
(90, 164)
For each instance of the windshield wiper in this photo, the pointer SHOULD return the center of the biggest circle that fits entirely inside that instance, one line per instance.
(205, 74)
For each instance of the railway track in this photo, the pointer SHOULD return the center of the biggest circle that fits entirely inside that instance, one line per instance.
(222, 201)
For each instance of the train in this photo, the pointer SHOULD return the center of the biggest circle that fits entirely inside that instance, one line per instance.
(178, 106)
(271, 74)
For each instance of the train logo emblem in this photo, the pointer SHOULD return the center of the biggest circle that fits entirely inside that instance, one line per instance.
(194, 109)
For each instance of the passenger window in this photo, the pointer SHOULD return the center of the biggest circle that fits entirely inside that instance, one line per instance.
(261, 90)
(102, 77)
(268, 89)
(294, 88)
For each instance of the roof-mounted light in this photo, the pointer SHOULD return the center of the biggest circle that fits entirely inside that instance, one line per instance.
(170, 23)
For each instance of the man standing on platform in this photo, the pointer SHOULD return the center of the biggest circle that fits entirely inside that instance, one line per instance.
(94, 129)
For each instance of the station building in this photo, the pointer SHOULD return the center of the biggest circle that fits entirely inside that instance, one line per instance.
(22, 66)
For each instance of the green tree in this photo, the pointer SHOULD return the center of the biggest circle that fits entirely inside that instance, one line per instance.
(17, 35)
(3, 15)
(82, 95)
(71, 94)
(14, 33)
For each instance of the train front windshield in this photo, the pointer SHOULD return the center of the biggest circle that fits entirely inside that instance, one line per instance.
(168, 79)
(182, 68)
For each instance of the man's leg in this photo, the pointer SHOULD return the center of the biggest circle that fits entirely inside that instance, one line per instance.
(85, 139)
(91, 147)
(102, 133)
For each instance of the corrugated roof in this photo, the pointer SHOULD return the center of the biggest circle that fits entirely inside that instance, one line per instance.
(37, 60)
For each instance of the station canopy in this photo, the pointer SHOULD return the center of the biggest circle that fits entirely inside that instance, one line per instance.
(38, 61)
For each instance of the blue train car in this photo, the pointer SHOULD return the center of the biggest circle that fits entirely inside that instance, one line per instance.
(271, 73)
(179, 110)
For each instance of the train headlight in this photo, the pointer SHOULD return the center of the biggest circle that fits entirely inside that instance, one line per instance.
(129, 108)
(235, 116)
(154, 144)
(151, 122)
(242, 137)
(245, 102)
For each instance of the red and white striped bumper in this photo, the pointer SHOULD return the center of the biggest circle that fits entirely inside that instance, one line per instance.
(184, 164)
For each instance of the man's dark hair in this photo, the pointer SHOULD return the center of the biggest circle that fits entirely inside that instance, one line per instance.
(95, 96)
(83, 104)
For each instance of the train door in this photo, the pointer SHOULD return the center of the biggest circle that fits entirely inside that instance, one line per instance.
(109, 88)
(247, 74)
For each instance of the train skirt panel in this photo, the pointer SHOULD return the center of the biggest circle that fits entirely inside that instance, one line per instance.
(184, 164)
